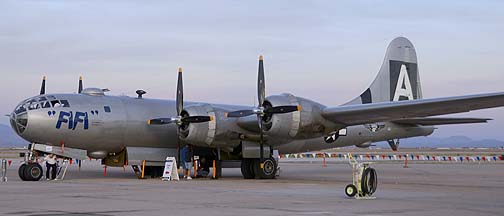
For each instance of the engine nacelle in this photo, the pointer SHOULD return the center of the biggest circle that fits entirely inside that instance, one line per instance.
(209, 133)
(304, 124)
(199, 134)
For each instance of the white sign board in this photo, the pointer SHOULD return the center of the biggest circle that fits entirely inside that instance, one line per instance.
(170, 170)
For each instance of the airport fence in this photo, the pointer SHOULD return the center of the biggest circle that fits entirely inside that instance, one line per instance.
(397, 157)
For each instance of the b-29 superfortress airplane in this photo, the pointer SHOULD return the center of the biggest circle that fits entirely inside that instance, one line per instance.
(121, 129)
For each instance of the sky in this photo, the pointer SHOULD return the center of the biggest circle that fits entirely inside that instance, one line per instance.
(328, 51)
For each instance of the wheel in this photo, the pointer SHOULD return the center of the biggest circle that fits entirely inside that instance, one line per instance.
(369, 181)
(21, 171)
(247, 168)
(269, 169)
(350, 190)
(33, 172)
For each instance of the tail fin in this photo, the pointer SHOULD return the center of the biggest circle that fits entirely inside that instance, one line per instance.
(398, 78)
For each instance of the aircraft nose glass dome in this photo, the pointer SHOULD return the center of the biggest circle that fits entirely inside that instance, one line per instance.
(19, 118)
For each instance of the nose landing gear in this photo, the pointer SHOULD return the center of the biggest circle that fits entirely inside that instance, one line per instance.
(30, 172)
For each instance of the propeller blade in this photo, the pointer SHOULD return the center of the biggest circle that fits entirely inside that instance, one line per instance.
(196, 119)
(161, 121)
(261, 92)
(80, 85)
(180, 93)
(282, 109)
(42, 88)
(239, 113)
(261, 140)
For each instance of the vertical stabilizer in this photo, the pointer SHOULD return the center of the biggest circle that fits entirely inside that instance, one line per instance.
(398, 78)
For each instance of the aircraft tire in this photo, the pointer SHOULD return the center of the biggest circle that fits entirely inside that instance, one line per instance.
(33, 172)
(247, 168)
(350, 190)
(369, 181)
(268, 171)
(21, 171)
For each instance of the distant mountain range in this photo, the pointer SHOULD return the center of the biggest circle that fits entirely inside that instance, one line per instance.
(448, 142)
(8, 138)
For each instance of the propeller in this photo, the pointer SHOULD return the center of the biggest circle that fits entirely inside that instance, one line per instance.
(42, 87)
(80, 85)
(262, 110)
(179, 120)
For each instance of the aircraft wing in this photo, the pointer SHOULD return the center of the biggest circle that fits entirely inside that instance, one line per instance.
(440, 121)
(390, 111)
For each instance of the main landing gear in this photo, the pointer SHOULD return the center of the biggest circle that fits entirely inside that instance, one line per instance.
(251, 168)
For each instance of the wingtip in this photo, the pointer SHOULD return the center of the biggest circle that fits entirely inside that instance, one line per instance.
(80, 77)
(148, 122)
(299, 108)
(226, 114)
(43, 77)
(211, 118)
(180, 69)
(261, 58)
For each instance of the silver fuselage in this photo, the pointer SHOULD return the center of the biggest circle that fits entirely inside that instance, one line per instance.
(111, 123)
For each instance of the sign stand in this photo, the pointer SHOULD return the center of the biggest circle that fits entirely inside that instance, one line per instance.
(170, 170)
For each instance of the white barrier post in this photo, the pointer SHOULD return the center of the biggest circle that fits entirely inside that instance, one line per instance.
(4, 170)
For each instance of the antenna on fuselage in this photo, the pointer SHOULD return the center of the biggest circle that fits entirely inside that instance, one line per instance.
(80, 85)
(42, 87)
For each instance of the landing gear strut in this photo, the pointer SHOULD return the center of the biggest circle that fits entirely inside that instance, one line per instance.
(394, 145)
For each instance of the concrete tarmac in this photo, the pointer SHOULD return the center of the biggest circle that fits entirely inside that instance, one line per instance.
(301, 189)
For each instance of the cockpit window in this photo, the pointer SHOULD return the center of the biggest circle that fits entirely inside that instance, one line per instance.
(20, 109)
(65, 103)
(33, 104)
(46, 104)
(55, 103)
(20, 122)
(50, 97)
(40, 103)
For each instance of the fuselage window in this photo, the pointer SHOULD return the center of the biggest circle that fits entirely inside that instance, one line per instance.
(55, 103)
(65, 103)
(106, 109)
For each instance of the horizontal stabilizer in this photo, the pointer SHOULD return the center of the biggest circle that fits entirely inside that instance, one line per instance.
(441, 121)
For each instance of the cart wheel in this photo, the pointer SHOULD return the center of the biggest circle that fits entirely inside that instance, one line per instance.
(350, 190)
(369, 181)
